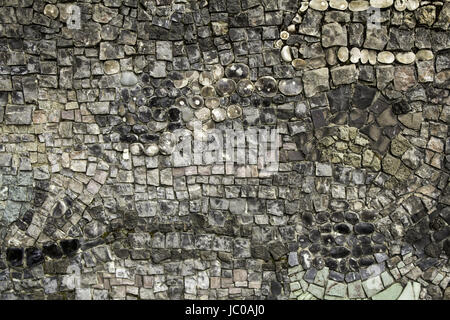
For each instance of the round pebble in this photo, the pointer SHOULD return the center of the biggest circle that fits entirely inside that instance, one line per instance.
(385, 57)
(355, 55)
(364, 56)
(203, 114)
(405, 57)
(400, 5)
(237, 71)
(412, 5)
(178, 79)
(217, 71)
(339, 4)
(196, 102)
(151, 150)
(372, 57)
(342, 54)
(180, 83)
(359, 5)
(191, 75)
(219, 114)
(208, 91)
(319, 5)
(51, 11)
(206, 78)
(111, 67)
(381, 4)
(284, 35)
(266, 86)
(278, 44)
(424, 55)
(225, 86)
(174, 114)
(298, 63)
(245, 88)
(166, 143)
(135, 148)
(181, 102)
(286, 54)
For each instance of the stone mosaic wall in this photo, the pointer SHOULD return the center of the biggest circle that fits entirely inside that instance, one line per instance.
(92, 206)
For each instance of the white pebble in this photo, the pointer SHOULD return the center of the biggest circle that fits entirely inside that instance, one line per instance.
(355, 55)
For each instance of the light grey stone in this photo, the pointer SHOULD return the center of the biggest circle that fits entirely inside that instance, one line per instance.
(18, 114)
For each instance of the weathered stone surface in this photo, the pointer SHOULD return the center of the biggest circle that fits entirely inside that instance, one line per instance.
(17, 114)
(88, 35)
(291, 87)
(109, 50)
(381, 3)
(164, 50)
(227, 150)
(344, 75)
(315, 81)
(405, 78)
(443, 20)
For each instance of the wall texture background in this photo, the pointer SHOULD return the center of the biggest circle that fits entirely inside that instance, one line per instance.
(92, 205)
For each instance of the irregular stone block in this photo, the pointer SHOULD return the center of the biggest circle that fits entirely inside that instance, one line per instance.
(18, 114)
